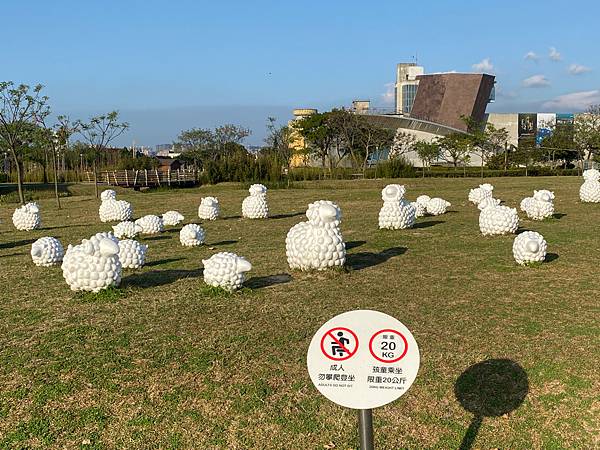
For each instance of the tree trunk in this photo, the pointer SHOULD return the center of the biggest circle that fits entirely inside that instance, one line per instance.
(95, 178)
(482, 166)
(505, 157)
(19, 177)
(54, 169)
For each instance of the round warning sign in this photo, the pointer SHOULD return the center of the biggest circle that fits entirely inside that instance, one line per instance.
(363, 359)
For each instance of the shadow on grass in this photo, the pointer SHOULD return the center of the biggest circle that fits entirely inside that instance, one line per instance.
(159, 277)
(270, 280)
(17, 243)
(353, 244)
(286, 216)
(427, 224)
(362, 260)
(12, 254)
(558, 216)
(234, 241)
(232, 217)
(173, 230)
(156, 238)
(160, 262)
(491, 388)
(551, 257)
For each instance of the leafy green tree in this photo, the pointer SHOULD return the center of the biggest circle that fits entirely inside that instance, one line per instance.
(587, 132)
(427, 152)
(455, 146)
(318, 134)
(279, 142)
(98, 133)
(371, 138)
(19, 107)
(559, 145)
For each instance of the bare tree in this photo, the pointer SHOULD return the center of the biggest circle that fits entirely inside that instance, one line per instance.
(19, 107)
(98, 133)
(403, 143)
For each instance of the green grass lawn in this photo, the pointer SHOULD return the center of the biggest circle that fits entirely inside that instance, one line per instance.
(163, 362)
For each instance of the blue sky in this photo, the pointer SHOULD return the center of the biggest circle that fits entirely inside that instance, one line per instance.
(168, 66)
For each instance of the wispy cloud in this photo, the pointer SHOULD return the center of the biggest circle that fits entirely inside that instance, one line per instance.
(485, 65)
(531, 56)
(389, 96)
(554, 54)
(575, 101)
(536, 81)
(578, 69)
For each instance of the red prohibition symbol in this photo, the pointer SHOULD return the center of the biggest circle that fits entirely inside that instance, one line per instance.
(340, 345)
(383, 359)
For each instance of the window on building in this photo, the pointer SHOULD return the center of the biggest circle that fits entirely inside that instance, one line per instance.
(409, 91)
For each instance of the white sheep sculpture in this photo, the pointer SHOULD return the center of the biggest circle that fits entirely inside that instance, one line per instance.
(226, 270)
(437, 206)
(113, 210)
(27, 217)
(255, 205)
(150, 224)
(498, 220)
(93, 265)
(209, 208)
(172, 218)
(318, 243)
(126, 230)
(589, 192)
(396, 213)
(47, 251)
(192, 235)
(529, 247)
(540, 206)
(480, 193)
(132, 254)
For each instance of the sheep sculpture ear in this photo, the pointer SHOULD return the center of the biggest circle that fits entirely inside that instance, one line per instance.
(34, 209)
(108, 248)
(243, 265)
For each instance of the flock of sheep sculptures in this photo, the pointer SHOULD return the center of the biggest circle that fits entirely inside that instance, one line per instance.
(316, 244)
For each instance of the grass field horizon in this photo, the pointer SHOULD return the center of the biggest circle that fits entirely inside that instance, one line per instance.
(163, 362)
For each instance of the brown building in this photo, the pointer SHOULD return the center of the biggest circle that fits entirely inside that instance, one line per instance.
(443, 98)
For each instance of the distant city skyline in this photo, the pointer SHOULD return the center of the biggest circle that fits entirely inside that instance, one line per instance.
(201, 64)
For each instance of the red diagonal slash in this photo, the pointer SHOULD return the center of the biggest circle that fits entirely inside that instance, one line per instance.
(343, 347)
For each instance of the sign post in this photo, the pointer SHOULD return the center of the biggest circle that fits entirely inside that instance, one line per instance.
(363, 360)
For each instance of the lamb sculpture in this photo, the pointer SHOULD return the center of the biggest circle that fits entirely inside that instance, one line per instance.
(226, 270)
(437, 206)
(540, 206)
(150, 224)
(126, 230)
(132, 254)
(396, 213)
(27, 217)
(209, 208)
(172, 218)
(482, 192)
(255, 205)
(529, 247)
(420, 210)
(191, 235)
(92, 265)
(318, 243)
(498, 220)
(113, 210)
(589, 192)
(47, 251)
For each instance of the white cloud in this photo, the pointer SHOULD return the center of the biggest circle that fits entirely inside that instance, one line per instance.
(575, 101)
(531, 56)
(578, 69)
(536, 81)
(485, 65)
(554, 54)
(389, 96)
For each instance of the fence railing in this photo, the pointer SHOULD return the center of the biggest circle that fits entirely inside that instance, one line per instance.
(144, 177)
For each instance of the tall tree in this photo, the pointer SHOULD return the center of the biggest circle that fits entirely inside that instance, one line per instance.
(403, 143)
(19, 107)
(196, 145)
(98, 133)
(587, 132)
(229, 134)
(279, 141)
(371, 138)
(427, 152)
(454, 147)
(318, 134)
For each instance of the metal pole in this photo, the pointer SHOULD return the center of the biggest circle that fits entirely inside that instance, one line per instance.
(365, 429)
